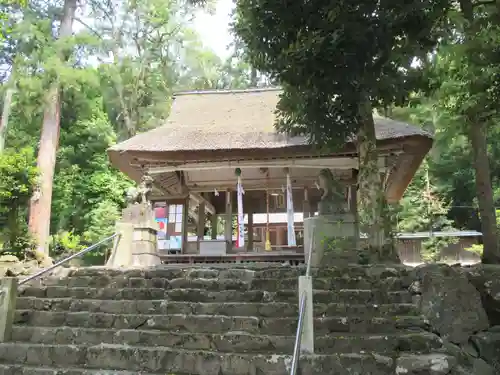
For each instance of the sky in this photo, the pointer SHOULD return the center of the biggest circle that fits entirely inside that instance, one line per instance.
(214, 29)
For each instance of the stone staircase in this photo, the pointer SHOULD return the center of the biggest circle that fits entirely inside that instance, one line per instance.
(214, 321)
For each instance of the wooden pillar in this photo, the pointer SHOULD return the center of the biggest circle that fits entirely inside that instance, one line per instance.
(353, 207)
(228, 225)
(250, 231)
(201, 223)
(307, 204)
(213, 224)
(185, 216)
(280, 236)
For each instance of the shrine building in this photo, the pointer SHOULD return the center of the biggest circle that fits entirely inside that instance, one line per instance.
(215, 141)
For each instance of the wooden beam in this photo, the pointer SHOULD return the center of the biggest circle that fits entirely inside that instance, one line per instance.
(168, 197)
(209, 207)
(157, 188)
(339, 163)
(315, 163)
(252, 185)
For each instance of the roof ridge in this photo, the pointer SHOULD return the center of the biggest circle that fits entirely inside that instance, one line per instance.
(227, 91)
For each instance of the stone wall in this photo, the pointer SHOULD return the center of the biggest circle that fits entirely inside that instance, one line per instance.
(462, 306)
(11, 266)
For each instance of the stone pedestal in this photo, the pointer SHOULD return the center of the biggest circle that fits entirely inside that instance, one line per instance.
(334, 239)
(138, 214)
(121, 255)
(8, 294)
(144, 247)
(307, 338)
(137, 245)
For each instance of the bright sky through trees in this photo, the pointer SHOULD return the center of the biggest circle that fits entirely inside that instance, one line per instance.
(214, 29)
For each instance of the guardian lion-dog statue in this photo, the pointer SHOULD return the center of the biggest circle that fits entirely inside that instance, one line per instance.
(333, 198)
(142, 193)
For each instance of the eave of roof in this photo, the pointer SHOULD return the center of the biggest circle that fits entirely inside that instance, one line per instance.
(234, 120)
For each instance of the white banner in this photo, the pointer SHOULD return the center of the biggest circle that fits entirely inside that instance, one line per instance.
(289, 212)
(240, 242)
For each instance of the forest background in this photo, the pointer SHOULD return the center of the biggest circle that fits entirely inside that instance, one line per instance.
(115, 77)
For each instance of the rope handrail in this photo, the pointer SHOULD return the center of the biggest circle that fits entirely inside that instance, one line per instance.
(65, 260)
(302, 308)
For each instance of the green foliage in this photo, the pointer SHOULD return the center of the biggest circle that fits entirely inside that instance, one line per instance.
(144, 40)
(203, 69)
(465, 83)
(432, 247)
(101, 225)
(461, 94)
(466, 72)
(449, 167)
(332, 56)
(423, 210)
(476, 248)
(448, 164)
(18, 178)
(327, 55)
(137, 79)
(5, 6)
(64, 244)
(336, 62)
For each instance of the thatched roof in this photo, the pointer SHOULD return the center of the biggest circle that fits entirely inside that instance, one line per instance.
(232, 120)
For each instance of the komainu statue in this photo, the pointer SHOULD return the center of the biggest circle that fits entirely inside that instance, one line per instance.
(142, 193)
(333, 199)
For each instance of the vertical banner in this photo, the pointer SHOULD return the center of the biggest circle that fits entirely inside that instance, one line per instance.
(240, 241)
(289, 211)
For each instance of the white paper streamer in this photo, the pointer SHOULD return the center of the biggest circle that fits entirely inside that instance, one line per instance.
(289, 211)
(241, 218)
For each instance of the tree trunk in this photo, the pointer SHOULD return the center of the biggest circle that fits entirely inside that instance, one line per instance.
(4, 121)
(371, 192)
(253, 78)
(484, 192)
(13, 225)
(130, 126)
(41, 202)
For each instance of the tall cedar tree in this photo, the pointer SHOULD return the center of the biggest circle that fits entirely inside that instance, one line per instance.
(337, 60)
(41, 202)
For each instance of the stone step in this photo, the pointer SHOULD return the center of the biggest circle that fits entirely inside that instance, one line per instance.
(215, 284)
(259, 309)
(354, 296)
(35, 370)
(176, 361)
(244, 272)
(216, 323)
(233, 342)
(200, 295)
